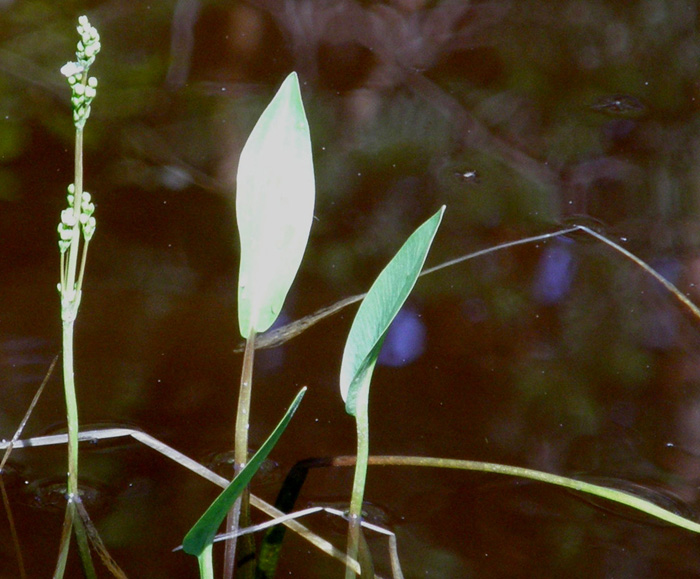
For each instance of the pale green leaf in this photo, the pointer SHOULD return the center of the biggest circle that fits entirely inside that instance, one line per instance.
(274, 207)
(379, 308)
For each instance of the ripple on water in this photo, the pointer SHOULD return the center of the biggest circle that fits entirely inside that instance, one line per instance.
(49, 494)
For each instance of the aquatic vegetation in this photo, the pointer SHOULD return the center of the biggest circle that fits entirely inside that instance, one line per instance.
(275, 201)
(199, 540)
(274, 208)
(369, 329)
(75, 230)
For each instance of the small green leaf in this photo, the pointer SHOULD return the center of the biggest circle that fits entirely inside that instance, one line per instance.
(379, 308)
(204, 530)
(274, 207)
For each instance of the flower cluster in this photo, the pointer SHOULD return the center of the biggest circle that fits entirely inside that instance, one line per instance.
(82, 86)
(69, 220)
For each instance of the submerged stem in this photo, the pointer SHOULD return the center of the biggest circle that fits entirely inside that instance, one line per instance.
(81, 537)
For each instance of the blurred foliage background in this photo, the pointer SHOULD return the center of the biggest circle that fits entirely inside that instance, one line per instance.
(522, 117)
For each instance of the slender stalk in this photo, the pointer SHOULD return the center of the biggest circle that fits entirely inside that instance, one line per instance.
(360, 478)
(240, 513)
(76, 224)
(74, 249)
(6, 456)
(206, 569)
(82, 539)
(71, 409)
(13, 529)
(66, 532)
(69, 323)
(279, 336)
(353, 544)
(244, 398)
(622, 497)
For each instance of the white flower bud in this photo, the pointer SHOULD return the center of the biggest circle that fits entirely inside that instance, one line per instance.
(68, 217)
(92, 49)
(71, 69)
(89, 228)
(65, 234)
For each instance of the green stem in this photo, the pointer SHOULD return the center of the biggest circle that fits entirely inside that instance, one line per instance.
(70, 232)
(81, 537)
(358, 485)
(611, 494)
(83, 260)
(63, 272)
(360, 478)
(71, 409)
(74, 249)
(240, 511)
(206, 566)
(70, 301)
(66, 532)
(244, 397)
(73, 292)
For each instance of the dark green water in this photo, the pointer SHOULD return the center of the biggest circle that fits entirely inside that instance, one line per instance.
(522, 117)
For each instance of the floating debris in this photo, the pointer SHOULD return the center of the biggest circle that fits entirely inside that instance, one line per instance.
(470, 177)
(619, 105)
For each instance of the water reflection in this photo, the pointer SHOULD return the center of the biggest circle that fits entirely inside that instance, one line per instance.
(24, 360)
(268, 476)
(555, 272)
(619, 105)
(470, 177)
(661, 497)
(405, 340)
(411, 104)
(50, 494)
(371, 513)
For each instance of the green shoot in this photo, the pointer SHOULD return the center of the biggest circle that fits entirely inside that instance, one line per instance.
(274, 210)
(199, 540)
(379, 308)
(75, 231)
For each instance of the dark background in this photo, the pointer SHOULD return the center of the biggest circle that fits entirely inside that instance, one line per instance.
(522, 117)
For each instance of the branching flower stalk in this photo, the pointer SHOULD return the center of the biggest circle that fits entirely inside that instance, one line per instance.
(75, 230)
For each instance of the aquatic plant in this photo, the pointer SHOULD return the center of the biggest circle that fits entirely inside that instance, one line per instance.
(376, 313)
(274, 210)
(275, 193)
(200, 539)
(75, 230)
